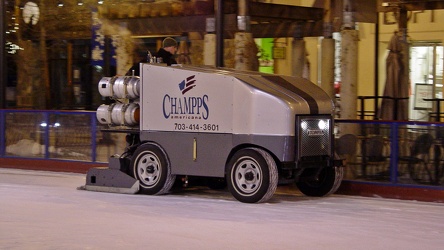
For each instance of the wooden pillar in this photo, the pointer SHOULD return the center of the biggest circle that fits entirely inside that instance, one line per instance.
(245, 52)
(298, 57)
(349, 68)
(328, 53)
(328, 66)
(245, 48)
(405, 52)
(209, 49)
(349, 73)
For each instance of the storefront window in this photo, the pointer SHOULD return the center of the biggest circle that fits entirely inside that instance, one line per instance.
(426, 74)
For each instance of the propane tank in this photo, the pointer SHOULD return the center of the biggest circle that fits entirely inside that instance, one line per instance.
(120, 87)
(119, 114)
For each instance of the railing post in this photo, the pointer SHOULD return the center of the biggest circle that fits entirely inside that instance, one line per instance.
(395, 109)
(394, 152)
(46, 136)
(93, 137)
(362, 107)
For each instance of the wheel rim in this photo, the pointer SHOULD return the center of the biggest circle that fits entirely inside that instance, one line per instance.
(247, 175)
(149, 169)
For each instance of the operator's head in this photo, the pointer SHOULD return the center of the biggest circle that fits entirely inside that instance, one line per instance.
(170, 44)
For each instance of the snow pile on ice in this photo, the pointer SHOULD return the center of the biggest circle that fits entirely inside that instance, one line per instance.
(26, 147)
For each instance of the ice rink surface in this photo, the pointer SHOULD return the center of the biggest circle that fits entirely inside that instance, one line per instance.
(45, 210)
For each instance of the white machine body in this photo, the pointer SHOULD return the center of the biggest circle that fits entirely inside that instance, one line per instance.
(248, 128)
(219, 101)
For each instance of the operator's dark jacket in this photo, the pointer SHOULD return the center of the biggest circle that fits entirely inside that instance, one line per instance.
(166, 56)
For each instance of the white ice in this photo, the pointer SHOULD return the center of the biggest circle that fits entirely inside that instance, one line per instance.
(45, 210)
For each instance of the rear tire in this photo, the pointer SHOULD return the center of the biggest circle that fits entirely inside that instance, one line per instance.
(252, 175)
(328, 182)
(151, 166)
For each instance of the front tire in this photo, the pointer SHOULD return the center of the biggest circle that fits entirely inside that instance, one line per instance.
(151, 166)
(328, 182)
(252, 175)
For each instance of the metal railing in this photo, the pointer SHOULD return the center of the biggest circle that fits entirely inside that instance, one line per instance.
(390, 152)
(364, 113)
(63, 135)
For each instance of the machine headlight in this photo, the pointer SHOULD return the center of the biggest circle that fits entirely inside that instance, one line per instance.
(304, 125)
(322, 124)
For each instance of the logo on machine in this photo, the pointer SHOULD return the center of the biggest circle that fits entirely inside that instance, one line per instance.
(187, 84)
(186, 107)
(315, 132)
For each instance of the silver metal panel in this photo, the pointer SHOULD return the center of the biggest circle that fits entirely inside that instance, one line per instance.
(283, 147)
(314, 141)
(213, 150)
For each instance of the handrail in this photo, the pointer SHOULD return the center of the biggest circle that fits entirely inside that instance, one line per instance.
(402, 131)
(438, 107)
(395, 106)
